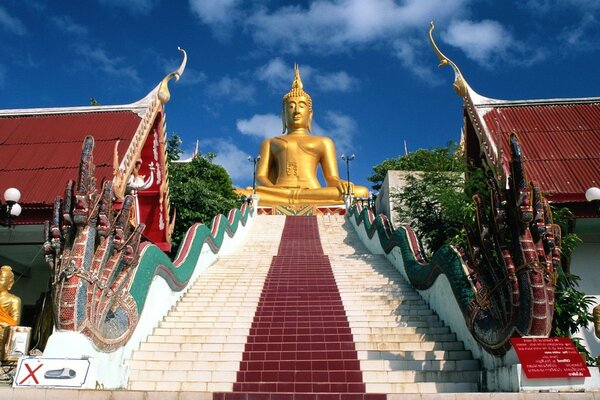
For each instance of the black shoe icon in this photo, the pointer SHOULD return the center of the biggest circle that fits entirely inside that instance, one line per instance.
(63, 373)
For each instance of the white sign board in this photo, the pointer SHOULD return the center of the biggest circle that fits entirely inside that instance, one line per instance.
(51, 372)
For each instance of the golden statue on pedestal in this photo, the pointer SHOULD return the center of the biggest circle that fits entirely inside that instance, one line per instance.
(286, 172)
(597, 320)
(10, 305)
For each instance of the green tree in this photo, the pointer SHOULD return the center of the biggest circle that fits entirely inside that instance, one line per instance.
(439, 159)
(435, 204)
(436, 200)
(199, 191)
(174, 147)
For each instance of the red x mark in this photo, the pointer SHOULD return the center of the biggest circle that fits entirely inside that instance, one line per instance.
(31, 374)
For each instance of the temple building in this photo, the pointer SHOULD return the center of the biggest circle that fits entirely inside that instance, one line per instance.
(560, 141)
(41, 150)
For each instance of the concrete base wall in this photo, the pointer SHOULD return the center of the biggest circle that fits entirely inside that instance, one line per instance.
(110, 370)
(501, 374)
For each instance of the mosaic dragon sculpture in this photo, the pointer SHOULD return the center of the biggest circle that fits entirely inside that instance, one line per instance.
(504, 281)
(102, 269)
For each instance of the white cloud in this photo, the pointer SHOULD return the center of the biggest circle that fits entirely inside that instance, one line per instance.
(481, 41)
(340, 128)
(276, 73)
(410, 55)
(279, 76)
(135, 7)
(218, 14)
(577, 36)
(336, 81)
(261, 126)
(230, 157)
(112, 66)
(233, 89)
(66, 24)
(192, 77)
(11, 24)
(343, 26)
(547, 6)
(334, 26)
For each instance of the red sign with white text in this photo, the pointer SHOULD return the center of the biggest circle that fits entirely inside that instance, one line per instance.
(549, 358)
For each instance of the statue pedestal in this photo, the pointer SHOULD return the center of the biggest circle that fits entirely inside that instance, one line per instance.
(302, 210)
(15, 343)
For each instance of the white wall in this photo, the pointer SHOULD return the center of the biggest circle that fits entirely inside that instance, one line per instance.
(393, 182)
(585, 262)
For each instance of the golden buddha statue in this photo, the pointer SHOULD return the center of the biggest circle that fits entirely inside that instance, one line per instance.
(10, 305)
(597, 320)
(286, 172)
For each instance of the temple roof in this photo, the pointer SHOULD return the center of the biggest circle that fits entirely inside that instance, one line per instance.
(40, 149)
(560, 139)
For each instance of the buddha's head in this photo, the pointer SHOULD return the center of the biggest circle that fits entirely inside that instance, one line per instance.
(297, 106)
(7, 278)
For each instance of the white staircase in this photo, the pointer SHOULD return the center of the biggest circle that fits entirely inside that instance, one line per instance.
(199, 345)
(402, 346)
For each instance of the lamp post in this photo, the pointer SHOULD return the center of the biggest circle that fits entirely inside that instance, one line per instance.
(12, 207)
(254, 160)
(593, 196)
(348, 159)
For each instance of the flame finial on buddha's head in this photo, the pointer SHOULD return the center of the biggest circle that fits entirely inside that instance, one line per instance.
(297, 89)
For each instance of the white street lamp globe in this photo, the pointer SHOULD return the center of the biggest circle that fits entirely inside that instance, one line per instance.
(15, 210)
(592, 194)
(12, 195)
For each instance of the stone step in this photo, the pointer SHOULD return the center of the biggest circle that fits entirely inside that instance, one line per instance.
(409, 346)
(417, 355)
(407, 337)
(400, 330)
(206, 352)
(415, 317)
(420, 365)
(423, 387)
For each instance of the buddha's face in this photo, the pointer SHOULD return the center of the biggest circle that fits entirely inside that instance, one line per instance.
(297, 113)
(6, 280)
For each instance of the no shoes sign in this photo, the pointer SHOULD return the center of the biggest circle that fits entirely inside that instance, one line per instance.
(51, 372)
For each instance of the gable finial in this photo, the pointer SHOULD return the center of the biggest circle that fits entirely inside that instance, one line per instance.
(163, 91)
(460, 85)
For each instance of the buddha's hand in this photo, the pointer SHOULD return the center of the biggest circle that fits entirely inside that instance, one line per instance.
(345, 187)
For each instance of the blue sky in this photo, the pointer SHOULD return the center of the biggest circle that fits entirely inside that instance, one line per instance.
(366, 63)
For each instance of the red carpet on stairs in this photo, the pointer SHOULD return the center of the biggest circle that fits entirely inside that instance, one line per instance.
(300, 344)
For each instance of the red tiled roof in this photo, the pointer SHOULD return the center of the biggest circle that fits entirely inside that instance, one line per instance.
(560, 140)
(39, 153)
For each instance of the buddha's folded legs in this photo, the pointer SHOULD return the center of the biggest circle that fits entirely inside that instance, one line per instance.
(272, 196)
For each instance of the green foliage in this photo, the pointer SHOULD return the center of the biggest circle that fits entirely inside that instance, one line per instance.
(199, 191)
(563, 217)
(173, 149)
(440, 159)
(436, 202)
(571, 310)
(435, 205)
